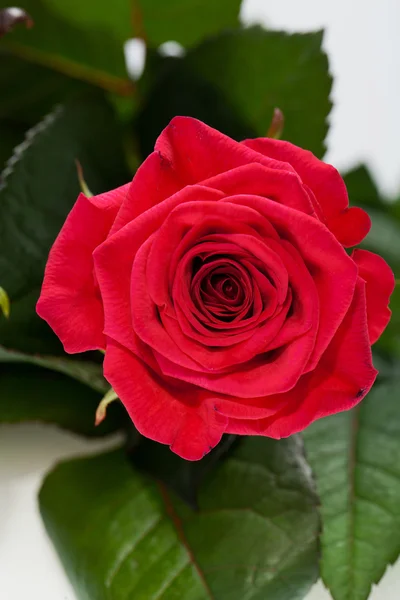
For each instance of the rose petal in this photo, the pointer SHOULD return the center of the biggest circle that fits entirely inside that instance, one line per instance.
(283, 186)
(70, 300)
(252, 409)
(178, 347)
(343, 377)
(323, 179)
(193, 323)
(180, 416)
(351, 226)
(185, 225)
(380, 284)
(198, 152)
(114, 258)
(145, 316)
(265, 374)
(154, 181)
(324, 257)
(265, 334)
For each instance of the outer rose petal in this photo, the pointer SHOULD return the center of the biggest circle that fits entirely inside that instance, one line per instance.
(342, 378)
(154, 181)
(380, 283)
(350, 226)
(197, 152)
(323, 179)
(182, 417)
(70, 300)
(186, 152)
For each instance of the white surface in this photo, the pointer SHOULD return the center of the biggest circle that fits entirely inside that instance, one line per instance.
(29, 567)
(364, 49)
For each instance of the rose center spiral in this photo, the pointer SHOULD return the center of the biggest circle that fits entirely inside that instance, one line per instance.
(221, 289)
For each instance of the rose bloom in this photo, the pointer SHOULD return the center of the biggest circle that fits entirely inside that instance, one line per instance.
(218, 285)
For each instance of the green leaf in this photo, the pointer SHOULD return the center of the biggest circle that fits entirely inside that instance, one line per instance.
(18, 110)
(184, 21)
(62, 391)
(121, 535)
(82, 52)
(11, 134)
(32, 394)
(180, 91)
(355, 456)
(245, 75)
(182, 476)
(363, 191)
(362, 188)
(88, 373)
(85, 40)
(39, 187)
(384, 237)
(46, 88)
(156, 21)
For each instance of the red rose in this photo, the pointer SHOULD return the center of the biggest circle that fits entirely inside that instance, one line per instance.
(218, 285)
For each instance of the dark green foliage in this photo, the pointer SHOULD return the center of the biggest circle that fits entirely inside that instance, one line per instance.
(234, 81)
(39, 188)
(355, 456)
(122, 536)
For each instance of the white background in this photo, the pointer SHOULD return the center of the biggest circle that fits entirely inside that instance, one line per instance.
(364, 49)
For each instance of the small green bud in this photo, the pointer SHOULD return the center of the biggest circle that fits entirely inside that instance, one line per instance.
(4, 303)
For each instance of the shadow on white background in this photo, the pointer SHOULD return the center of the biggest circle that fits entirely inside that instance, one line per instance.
(29, 566)
(364, 49)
